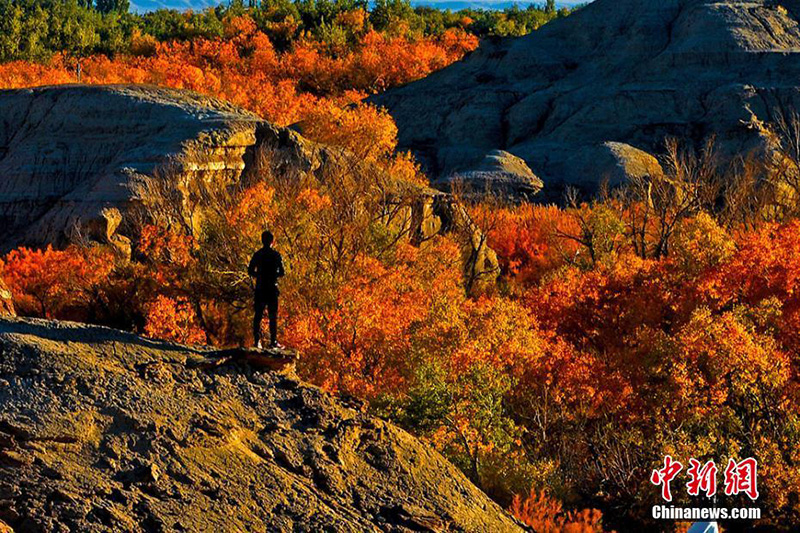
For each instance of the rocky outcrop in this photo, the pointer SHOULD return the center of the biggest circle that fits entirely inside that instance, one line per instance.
(629, 72)
(623, 162)
(70, 154)
(427, 213)
(500, 174)
(6, 301)
(105, 431)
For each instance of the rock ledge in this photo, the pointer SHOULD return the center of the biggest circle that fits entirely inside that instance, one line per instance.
(102, 430)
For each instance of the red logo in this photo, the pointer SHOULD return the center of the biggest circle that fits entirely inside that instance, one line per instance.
(665, 475)
(740, 477)
(702, 478)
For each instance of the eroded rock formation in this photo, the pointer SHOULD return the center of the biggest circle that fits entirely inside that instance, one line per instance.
(6, 301)
(105, 431)
(499, 173)
(627, 72)
(69, 154)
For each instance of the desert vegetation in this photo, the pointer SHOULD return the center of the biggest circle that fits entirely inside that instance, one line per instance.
(245, 68)
(660, 317)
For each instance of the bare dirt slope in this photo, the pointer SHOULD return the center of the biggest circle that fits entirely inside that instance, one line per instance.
(579, 99)
(105, 431)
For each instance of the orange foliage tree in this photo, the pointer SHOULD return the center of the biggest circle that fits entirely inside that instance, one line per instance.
(173, 320)
(58, 283)
(547, 515)
(244, 68)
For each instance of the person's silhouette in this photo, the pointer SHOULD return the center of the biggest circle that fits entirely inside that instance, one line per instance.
(266, 267)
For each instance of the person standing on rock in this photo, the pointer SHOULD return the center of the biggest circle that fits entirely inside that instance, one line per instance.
(266, 267)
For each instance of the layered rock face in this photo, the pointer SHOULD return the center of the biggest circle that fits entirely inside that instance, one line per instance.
(580, 99)
(105, 431)
(68, 153)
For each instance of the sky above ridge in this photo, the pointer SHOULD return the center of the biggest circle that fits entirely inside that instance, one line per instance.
(197, 5)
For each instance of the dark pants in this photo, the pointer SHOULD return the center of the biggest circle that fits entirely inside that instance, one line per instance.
(266, 299)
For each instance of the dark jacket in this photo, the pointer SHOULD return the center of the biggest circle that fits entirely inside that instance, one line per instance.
(266, 266)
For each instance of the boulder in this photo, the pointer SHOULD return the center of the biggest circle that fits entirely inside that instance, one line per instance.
(499, 174)
(102, 430)
(612, 164)
(626, 72)
(629, 163)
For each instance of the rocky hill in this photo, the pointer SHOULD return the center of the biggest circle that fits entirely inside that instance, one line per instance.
(589, 96)
(68, 153)
(105, 431)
